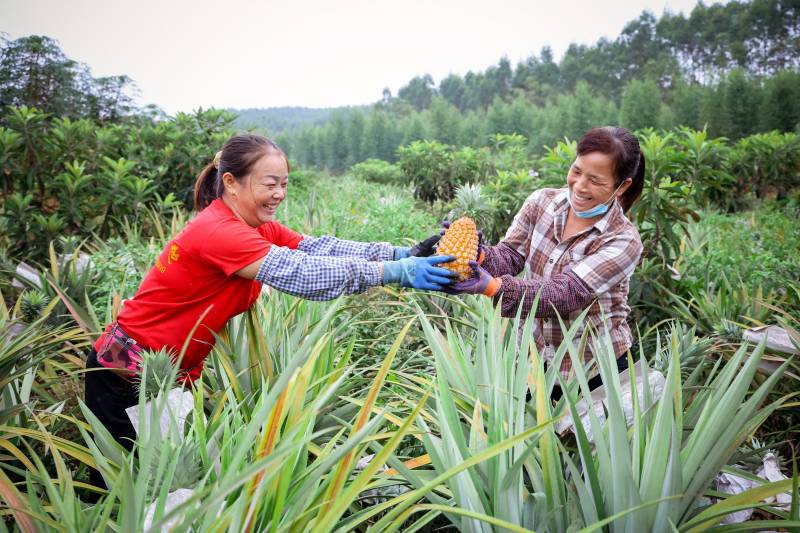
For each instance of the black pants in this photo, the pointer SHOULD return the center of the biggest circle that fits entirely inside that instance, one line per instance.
(107, 395)
(596, 381)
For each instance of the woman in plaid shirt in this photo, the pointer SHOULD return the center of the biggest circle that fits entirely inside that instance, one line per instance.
(576, 247)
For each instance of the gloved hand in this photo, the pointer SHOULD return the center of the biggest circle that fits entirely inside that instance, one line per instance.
(419, 272)
(480, 283)
(421, 249)
(425, 248)
(481, 248)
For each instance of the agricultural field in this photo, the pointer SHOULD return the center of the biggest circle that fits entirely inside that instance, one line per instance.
(399, 410)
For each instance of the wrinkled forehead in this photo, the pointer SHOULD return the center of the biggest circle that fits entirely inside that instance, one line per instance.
(271, 167)
(596, 164)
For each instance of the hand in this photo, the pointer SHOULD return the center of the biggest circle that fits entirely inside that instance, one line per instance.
(419, 272)
(424, 248)
(481, 248)
(480, 283)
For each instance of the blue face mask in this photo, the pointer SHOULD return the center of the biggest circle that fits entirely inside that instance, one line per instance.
(596, 211)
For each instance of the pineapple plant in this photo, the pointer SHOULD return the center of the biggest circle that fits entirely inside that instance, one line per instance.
(157, 372)
(461, 241)
(32, 304)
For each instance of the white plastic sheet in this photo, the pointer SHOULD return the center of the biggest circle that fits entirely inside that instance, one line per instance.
(179, 404)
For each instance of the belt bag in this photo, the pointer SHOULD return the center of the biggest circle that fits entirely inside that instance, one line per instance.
(120, 353)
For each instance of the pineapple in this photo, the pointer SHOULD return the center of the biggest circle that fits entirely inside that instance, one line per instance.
(461, 241)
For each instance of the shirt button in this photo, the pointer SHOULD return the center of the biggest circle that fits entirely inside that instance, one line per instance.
(550, 260)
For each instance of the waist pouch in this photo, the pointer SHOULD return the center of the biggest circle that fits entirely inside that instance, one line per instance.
(119, 352)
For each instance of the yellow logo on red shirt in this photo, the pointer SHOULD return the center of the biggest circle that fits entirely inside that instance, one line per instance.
(173, 254)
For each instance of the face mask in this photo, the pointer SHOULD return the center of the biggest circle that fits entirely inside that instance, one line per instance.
(600, 209)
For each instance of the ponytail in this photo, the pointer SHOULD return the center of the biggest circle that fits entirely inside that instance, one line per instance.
(633, 192)
(207, 188)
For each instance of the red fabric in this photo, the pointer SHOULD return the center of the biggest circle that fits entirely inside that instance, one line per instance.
(195, 273)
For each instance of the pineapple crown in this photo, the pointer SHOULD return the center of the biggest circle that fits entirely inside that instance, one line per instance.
(158, 373)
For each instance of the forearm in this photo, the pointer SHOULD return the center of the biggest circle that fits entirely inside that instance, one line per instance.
(502, 260)
(562, 294)
(317, 277)
(328, 245)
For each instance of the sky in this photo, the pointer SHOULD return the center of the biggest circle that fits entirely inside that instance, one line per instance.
(311, 53)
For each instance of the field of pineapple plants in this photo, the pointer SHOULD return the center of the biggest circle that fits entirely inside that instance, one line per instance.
(399, 410)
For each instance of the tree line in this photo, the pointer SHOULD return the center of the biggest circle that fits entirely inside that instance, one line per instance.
(35, 72)
(732, 69)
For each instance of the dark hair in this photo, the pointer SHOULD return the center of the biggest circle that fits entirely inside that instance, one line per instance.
(626, 155)
(237, 157)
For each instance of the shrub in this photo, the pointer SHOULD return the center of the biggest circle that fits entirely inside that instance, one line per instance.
(436, 169)
(378, 171)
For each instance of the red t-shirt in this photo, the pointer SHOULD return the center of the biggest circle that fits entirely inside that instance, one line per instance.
(196, 272)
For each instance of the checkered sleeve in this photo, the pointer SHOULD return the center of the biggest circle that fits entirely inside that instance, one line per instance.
(562, 294)
(331, 246)
(502, 259)
(317, 277)
(611, 263)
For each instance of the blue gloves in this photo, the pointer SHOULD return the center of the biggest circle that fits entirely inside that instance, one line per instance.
(419, 272)
(400, 253)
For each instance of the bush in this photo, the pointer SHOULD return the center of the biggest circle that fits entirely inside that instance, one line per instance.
(378, 171)
(437, 169)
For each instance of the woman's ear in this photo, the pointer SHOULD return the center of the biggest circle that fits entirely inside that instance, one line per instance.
(624, 186)
(229, 182)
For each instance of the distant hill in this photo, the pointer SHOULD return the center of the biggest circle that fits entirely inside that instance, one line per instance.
(275, 120)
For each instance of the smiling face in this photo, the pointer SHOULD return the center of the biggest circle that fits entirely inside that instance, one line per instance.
(255, 198)
(591, 181)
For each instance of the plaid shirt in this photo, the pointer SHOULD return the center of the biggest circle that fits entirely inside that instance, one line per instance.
(323, 268)
(602, 256)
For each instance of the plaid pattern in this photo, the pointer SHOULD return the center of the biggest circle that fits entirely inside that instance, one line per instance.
(316, 277)
(603, 257)
(331, 246)
(559, 295)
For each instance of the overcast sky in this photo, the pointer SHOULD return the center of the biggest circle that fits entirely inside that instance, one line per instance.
(312, 53)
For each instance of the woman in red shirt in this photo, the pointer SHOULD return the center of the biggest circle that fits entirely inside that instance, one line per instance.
(214, 270)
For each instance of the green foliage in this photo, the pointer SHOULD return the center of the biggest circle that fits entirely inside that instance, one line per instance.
(664, 207)
(353, 209)
(436, 169)
(377, 171)
(34, 72)
(641, 103)
(76, 177)
(554, 166)
(766, 164)
(747, 248)
(703, 167)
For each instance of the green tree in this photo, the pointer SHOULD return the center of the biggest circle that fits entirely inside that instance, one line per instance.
(687, 105)
(34, 72)
(445, 121)
(355, 137)
(452, 89)
(641, 103)
(741, 102)
(380, 137)
(780, 104)
(418, 92)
